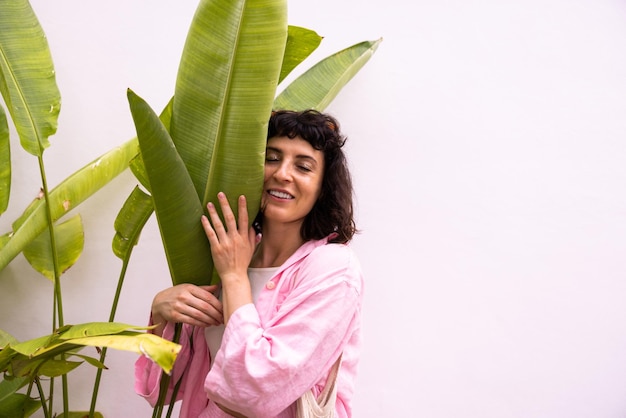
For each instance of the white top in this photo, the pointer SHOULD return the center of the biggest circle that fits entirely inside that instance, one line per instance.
(258, 278)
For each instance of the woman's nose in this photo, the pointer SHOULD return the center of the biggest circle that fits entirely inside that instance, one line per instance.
(283, 173)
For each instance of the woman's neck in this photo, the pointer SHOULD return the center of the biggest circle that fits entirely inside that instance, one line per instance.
(276, 246)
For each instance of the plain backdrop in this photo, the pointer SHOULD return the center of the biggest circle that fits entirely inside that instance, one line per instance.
(488, 145)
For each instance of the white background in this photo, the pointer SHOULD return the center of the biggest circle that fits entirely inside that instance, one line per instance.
(488, 145)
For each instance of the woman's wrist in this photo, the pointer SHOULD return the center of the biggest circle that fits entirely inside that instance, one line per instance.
(236, 292)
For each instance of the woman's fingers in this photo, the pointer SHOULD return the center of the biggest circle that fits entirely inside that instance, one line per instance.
(230, 225)
(243, 216)
(189, 304)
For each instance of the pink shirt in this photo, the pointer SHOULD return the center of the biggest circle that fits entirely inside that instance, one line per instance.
(272, 352)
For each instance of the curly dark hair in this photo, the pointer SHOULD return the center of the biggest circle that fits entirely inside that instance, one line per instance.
(333, 212)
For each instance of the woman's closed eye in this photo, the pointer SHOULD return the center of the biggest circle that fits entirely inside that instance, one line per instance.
(305, 167)
(272, 157)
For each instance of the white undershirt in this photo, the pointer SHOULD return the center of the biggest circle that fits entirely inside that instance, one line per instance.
(258, 278)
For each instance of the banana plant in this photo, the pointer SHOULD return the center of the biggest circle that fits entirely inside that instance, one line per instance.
(29, 90)
(217, 133)
(25, 363)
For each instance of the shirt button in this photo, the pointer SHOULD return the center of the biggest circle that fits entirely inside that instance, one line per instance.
(270, 285)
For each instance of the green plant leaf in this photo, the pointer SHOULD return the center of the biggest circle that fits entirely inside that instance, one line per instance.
(176, 203)
(93, 361)
(161, 351)
(70, 239)
(95, 329)
(219, 122)
(56, 368)
(27, 78)
(18, 405)
(301, 42)
(30, 347)
(26, 356)
(5, 162)
(129, 222)
(318, 86)
(11, 385)
(66, 196)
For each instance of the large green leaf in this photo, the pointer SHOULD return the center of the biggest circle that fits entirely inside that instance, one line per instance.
(161, 351)
(319, 85)
(177, 206)
(27, 78)
(225, 88)
(66, 196)
(5, 162)
(25, 357)
(301, 42)
(69, 241)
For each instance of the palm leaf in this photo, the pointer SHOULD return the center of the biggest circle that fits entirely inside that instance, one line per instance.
(317, 87)
(301, 42)
(22, 358)
(27, 78)
(66, 196)
(177, 206)
(219, 122)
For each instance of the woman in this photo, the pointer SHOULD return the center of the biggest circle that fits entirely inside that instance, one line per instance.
(290, 296)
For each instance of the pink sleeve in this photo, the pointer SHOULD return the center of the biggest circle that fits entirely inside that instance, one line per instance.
(192, 363)
(261, 370)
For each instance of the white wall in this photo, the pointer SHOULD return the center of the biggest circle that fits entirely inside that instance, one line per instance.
(488, 143)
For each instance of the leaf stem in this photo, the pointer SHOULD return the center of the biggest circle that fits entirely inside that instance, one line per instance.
(116, 298)
(58, 296)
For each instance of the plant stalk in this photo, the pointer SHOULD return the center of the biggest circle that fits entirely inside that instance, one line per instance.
(58, 297)
(118, 292)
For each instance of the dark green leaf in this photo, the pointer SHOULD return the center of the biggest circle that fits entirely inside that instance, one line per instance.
(130, 221)
(177, 206)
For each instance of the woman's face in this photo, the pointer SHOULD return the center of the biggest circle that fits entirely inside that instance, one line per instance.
(293, 179)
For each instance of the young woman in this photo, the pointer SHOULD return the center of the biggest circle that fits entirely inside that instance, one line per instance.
(289, 303)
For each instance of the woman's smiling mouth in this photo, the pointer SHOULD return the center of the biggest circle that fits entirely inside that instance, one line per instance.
(279, 194)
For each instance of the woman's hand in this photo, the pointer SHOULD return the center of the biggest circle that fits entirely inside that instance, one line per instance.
(189, 304)
(232, 242)
(232, 247)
